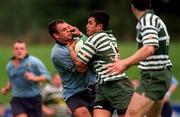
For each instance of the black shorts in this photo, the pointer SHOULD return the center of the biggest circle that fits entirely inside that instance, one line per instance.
(83, 98)
(32, 106)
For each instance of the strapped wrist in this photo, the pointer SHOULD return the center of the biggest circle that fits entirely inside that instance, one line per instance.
(168, 94)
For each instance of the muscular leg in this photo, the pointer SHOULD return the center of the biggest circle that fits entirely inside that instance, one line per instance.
(139, 105)
(121, 115)
(21, 115)
(156, 109)
(82, 112)
(101, 113)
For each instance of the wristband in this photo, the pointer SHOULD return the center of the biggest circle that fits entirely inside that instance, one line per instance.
(168, 94)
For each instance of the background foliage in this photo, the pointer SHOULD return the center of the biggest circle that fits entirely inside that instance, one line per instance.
(28, 19)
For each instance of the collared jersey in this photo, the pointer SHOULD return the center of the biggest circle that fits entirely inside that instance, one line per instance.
(21, 87)
(73, 82)
(152, 31)
(53, 98)
(101, 48)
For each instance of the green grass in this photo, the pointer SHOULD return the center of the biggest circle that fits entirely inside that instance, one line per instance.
(43, 52)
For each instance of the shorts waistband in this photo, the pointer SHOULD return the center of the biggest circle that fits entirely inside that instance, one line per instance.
(165, 68)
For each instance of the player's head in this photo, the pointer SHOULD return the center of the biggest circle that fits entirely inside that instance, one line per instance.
(60, 30)
(56, 80)
(19, 49)
(52, 26)
(97, 21)
(141, 5)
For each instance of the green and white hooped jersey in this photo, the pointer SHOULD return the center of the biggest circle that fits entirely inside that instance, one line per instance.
(101, 48)
(152, 31)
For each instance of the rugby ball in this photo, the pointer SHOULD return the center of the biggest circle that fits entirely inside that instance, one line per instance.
(79, 45)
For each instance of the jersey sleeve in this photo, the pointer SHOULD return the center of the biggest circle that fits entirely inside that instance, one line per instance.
(87, 51)
(148, 30)
(39, 68)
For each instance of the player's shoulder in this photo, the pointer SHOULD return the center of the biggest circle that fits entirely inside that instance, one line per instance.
(97, 36)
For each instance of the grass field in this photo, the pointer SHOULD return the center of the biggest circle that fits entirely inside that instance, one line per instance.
(43, 52)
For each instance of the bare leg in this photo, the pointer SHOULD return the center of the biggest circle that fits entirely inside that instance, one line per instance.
(101, 113)
(156, 109)
(139, 105)
(21, 115)
(82, 112)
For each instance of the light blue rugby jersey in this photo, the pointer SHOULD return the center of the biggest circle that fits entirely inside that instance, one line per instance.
(21, 87)
(72, 81)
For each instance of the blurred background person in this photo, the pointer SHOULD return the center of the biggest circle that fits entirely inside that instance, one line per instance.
(167, 107)
(25, 72)
(5, 111)
(53, 101)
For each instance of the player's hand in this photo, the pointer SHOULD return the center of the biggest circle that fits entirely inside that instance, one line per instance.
(29, 76)
(117, 67)
(4, 90)
(74, 31)
(71, 45)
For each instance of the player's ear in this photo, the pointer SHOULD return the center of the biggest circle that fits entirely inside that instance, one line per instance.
(100, 26)
(56, 35)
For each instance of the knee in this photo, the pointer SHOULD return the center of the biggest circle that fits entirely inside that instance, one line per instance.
(132, 112)
(82, 112)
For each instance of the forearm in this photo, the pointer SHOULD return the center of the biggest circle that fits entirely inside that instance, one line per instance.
(80, 66)
(74, 57)
(171, 89)
(8, 86)
(140, 55)
(40, 79)
(6, 89)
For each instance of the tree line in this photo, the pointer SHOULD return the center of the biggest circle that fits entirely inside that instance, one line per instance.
(28, 19)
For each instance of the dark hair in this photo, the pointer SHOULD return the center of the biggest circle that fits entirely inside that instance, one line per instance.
(141, 4)
(101, 17)
(52, 26)
(20, 41)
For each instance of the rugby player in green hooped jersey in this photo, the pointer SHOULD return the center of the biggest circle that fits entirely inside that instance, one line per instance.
(113, 91)
(152, 56)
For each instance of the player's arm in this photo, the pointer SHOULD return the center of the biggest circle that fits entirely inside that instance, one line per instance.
(30, 76)
(141, 54)
(6, 89)
(80, 66)
(119, 66)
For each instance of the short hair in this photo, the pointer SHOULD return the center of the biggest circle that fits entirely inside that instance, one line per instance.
(20, 41)
(101, 17)
(141, 4)
(52, 26)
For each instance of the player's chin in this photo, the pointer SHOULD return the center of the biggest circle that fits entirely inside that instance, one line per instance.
(88, 33)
